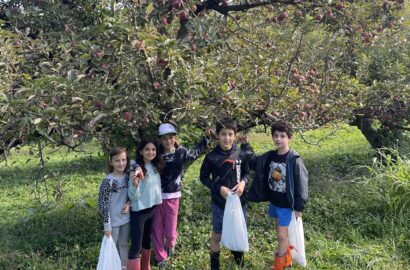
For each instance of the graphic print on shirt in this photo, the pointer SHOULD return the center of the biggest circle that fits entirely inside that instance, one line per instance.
(108, 185)
(277, 177)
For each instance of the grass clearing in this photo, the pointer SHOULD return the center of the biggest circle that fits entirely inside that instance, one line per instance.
(348, 222)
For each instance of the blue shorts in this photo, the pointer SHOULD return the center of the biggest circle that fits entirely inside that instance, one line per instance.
(218, 217)
(283, 215)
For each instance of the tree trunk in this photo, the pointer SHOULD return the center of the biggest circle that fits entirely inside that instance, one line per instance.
(371, 134)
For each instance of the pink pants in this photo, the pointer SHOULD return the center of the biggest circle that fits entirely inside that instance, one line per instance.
(164, 231)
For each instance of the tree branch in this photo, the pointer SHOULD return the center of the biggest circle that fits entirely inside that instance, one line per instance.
(224, 9)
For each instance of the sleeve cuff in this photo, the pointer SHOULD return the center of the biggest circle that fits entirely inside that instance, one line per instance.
(107, 227)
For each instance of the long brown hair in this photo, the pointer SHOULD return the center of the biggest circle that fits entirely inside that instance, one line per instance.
(114, 152)
(158, 161)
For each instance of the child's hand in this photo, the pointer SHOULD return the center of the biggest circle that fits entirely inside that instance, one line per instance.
(108, 233)
(224, 192)
(244, 139)
(298, 214)
(138, 174)
(125, 208)
(208, 132)
(135, 181)
(239, 188)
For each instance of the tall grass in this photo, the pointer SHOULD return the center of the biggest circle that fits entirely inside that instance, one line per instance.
(389, 181)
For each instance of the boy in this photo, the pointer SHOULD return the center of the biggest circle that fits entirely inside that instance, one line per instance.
(281, 178)
(224, 170)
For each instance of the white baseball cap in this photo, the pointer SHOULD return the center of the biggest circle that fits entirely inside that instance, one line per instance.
(166, 129)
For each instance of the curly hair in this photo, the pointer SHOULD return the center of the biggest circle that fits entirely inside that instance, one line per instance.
(158, 161)
(282, 126)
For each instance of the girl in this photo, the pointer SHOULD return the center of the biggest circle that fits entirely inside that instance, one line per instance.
(112, 201)
(176, 159)
(144, 196)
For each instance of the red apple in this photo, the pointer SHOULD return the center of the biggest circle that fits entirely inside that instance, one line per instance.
(164, 20)
(128, 116)
(18, 44)
(99, 54)
(301, 115)
(298, 13)
(162, 62)
(276, 114)
(183, 15)
(329, 15)
(283, 16)
(176, 4)
(98, 105)
(137, 44)
(157, 85)
(318, 17)
(313, 86)
(194, 48)
(308, 106)
(43, 105)
(386, 5)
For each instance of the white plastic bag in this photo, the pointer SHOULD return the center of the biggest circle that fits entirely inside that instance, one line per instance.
(297, 240)
(109, 257)
(234, 230)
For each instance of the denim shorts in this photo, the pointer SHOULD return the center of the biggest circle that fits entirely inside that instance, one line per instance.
(283, 215)
(218, 217)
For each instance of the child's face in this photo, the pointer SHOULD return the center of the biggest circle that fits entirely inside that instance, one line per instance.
(168, 141)
(226, 138)
(149, 152)
(119, 162)
(281, 140)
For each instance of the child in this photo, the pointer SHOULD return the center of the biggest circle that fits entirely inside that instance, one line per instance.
(176, 159)
(229, 173)
(145, 195)
(112, 201)
(281, 178)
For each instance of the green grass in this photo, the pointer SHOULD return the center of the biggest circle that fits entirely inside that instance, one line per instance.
(348, 222)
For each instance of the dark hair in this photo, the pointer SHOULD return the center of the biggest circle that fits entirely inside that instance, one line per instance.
(157, 161)
(227, 124)
(114, 152)
(282, 126)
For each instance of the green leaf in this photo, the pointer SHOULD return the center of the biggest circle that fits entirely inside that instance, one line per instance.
(150, 8)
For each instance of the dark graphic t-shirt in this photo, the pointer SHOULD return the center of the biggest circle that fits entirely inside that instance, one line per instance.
(276, 169)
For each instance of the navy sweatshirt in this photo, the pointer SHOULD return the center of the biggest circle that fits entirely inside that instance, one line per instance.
(176, 162)
(218, 170)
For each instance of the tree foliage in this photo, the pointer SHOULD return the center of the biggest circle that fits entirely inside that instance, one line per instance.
(112, 70)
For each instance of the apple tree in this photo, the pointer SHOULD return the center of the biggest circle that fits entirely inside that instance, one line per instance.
(113, 70)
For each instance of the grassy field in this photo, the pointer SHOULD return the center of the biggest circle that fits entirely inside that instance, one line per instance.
(356, 217)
